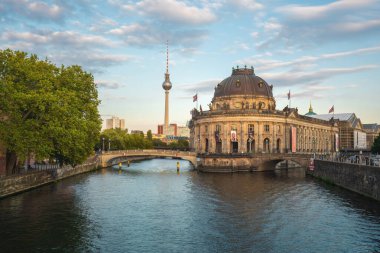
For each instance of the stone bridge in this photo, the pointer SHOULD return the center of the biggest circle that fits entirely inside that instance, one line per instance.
(210, 162)
(250, 162)
(114, 157)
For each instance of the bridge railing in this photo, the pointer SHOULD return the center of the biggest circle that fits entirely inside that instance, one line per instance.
(149, 151)
(264, 155)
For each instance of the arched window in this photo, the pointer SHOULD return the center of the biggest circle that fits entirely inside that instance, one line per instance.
(278, 145)
(266, 145)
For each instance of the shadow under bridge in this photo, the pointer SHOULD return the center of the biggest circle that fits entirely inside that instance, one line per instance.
(283, 161)
(115, 157)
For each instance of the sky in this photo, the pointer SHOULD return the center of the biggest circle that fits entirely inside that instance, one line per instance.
(324, 52)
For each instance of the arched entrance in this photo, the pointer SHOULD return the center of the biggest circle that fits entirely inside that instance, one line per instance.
(278, 145)
(250, 146)
(234, 147)
(218, 147)
(206, 146)
(266, 145)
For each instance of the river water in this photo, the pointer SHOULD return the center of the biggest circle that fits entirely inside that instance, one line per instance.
(149, 207)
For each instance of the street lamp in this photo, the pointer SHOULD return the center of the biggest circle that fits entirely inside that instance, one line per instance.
(109, 144)
(103, 144)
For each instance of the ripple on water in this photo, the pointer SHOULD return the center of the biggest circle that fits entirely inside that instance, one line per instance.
(148, 207)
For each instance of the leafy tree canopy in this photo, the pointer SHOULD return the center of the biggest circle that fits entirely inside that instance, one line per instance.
(117, 139)
(376, 146)
(46, 110)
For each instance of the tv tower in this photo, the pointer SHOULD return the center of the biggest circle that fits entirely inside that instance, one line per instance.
(167, 85)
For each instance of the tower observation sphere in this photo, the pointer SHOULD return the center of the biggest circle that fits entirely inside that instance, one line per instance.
(167, 85)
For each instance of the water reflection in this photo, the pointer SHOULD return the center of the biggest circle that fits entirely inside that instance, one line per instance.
(148, 207)
(43, 219)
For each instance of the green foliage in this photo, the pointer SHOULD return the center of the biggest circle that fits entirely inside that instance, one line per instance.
(45, 110)
(121, 140)
(180, 144)
(376, 146)
(149, 135)
(157, 143)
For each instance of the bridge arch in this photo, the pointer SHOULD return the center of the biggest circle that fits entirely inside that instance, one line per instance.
(270, 164)
(112, 158)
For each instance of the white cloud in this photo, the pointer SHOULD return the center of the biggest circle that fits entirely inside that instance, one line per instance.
(34, 9)
(148, 35)
(66, 47)
(42, 9)
(65, 38)
(108, 84)
(267, 64)
(172, 11)
(251, 5)
(127, 29)
(103, 25)
(300, 12)
(272, 25)
(91, 59)
(255, 35)
(359, 26)
(312, 76)
(206, 86)
(307, 26)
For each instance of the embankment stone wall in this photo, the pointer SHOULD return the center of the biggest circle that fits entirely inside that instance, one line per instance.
(23, 182)
(358, 178)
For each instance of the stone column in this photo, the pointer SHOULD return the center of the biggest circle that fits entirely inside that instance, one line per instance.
(211, 139)
(242, 147)
(259, 139)
(228, 140)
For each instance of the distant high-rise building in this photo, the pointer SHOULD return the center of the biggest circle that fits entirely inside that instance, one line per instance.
(183, 131)
(114, 123)
(170, 130)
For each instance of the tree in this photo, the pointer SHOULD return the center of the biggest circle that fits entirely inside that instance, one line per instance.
(121, 140)
(149, 135)
(45, 110)
(376, 145)
(180, 144)
(157, 143)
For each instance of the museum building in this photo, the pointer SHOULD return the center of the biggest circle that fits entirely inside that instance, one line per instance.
(242, 118)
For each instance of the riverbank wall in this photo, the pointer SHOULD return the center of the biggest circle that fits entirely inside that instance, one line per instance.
(362, 179)
(14, 184)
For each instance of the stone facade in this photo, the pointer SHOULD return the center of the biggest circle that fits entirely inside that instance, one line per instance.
(260, 133)
(243, 119)
(373, 131)
(22, 182)
(354, 177)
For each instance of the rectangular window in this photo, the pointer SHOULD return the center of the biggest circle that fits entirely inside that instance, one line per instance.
(266, 128)
(233, 128)
(218, 128)
(206, 129)
(251, 129)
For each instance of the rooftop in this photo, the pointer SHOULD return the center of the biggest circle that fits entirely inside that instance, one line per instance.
(374, 127)
(340, 116)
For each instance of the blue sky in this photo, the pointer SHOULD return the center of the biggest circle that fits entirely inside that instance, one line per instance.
(326, 52)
